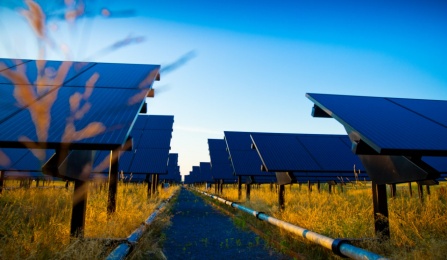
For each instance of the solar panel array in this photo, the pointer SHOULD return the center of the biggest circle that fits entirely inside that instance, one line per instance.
(391, 126)
(245, 161)
(306, 153)
(82, 106)
(152, 139)
(173, 169)
(194, 176)
(205, 172)
(221, 168)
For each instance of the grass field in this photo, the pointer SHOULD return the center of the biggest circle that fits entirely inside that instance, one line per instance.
(35, 222)
(418, 230)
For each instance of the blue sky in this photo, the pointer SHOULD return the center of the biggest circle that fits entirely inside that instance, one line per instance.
(255, 60)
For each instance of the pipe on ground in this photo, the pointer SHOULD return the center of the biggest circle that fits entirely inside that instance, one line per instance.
(122, 250)
(338, 246)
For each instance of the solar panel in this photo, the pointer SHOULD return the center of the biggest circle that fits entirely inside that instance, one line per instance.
(150, 151)
(160, 122)
(136, 76)
(245, 161)
(390, 126)
(155, 139)
(220, 164)
(30, 162)
(193, 176)
(173, 160)
(103, 126)
(64, 105)
(10, 156)
(153, 161)
(140, 123)
(305, 153)
(43, 73)
(173, 169)
(101, 162)
(10, 63)
(283, 152)
(331, 152)
(439, 163)
(205, 172)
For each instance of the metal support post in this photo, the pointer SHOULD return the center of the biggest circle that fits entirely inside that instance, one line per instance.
(281, 194)
(239, 187)
(153, 185)
(157, 183)
(411, 190)
(420, 192)
(149, 186)
(381, 223)
(393, 190)
(79, 207)
(247, 192)
(113, 183)
(2, 177)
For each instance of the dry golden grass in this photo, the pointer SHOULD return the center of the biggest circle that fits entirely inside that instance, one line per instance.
(35, 223)
(418, 230)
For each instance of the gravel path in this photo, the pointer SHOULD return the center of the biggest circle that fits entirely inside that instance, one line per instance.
(199, 231)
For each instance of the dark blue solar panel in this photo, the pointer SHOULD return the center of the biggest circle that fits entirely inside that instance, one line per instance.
(159, 122)
(150, 161)
(155, 139)
(136, 136)
(271, 178)
(194, 176)
(173, 159)
(109, 124)
(331, 152)
(238, 140)
(118, 75)
(220, 164)
(15, 98)
(439, 163)
(140, 123)
(205, 172)
(52, 73)
(10, 63)
(125, 161)
(31, 162)
(101, 162)
(391, 126)
(431, 109)
(173, 174)
(283, 152)
(306, 152)
(10, 156)
(219, 157)
(245, 161)
(151, 145)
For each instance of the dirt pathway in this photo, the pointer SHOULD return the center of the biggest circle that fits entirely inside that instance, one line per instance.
(199, 231)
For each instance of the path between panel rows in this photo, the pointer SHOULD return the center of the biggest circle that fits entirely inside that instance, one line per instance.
(199, 231)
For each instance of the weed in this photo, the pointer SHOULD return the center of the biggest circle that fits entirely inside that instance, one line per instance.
(416, 228)
(36, 222)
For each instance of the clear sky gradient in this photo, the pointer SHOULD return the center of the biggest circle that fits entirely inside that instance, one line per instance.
(253, 61)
